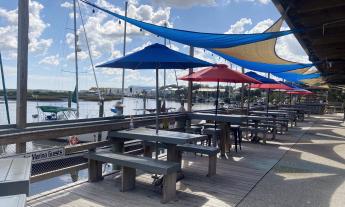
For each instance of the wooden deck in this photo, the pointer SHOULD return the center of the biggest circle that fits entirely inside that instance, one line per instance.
(236, 177)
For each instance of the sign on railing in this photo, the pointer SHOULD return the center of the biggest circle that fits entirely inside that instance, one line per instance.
(47, 155)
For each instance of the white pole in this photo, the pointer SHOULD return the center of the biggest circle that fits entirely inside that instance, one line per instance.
(190, 83)
(124, 52)
(76, 57)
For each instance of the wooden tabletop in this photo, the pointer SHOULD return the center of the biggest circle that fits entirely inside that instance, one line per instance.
(13, 200)
(269, 113)
(163, 136)
(15, 175)
(229, 118)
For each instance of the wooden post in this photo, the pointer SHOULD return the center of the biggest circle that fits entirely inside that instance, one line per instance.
(190, 84)
(212, 165)
(69, 103)
(95, 169)
(22, 68)
(169, 187)
(128, 179)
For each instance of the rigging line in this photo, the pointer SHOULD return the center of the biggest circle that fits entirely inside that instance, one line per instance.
(89, 51)
(174, 69)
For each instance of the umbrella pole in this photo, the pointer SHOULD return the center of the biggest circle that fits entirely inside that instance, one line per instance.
(217, 97)
(290, 99)
(248, 108)
(268, 100)
(157, 113)
(214, 138)
(248, 102)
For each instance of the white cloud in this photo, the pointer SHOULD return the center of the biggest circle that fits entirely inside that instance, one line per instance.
(8, 33)
(261, 26)
(67, 4)
(185, 3)
(106, 33)
(239, 26)
(50, 60)
(81, 56)
(255, 1)
(289, 48)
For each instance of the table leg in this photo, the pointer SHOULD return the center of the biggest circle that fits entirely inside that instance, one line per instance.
(274, 127)
(174, 156)
(224, 139)
(118, 147)
(256, 126)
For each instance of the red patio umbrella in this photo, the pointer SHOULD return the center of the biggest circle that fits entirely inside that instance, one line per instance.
(219, 73)
(301, 92)
(271, 86)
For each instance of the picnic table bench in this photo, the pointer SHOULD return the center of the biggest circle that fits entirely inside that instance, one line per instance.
(13, 201)
(15, 176)
(204, 150)
(129, 164)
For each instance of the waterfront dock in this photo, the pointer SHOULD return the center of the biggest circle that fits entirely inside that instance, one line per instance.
(303, 168)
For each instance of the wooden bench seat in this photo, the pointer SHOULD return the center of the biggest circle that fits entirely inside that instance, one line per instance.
(13, 200)
(129, 165)
(15, 176)
(204, 150)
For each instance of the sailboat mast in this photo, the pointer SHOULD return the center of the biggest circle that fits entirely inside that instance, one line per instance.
(76, 56)
(4, 90)
(165, 44)
(124, 52)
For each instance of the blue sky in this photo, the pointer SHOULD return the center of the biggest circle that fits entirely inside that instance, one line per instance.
(51, 63)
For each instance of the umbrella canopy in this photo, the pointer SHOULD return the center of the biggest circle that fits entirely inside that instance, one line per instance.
(267, 83)
(301, 92)
(294, 87)
(156, 56)
(219, 73)
(271, 86)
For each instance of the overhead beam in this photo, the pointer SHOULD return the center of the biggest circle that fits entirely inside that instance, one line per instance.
(317, 5)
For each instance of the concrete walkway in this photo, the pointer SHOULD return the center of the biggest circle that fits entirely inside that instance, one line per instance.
(311, 173)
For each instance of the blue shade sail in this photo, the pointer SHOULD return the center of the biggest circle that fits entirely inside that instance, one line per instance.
(294, 77)
(263, 67)
(260, 78)
(156, 56)
(198, 39)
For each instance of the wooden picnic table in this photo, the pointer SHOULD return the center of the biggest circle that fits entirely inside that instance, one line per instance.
(169, 138)
(13, 200)
(15, 175)
(226, 120)
(300, 111)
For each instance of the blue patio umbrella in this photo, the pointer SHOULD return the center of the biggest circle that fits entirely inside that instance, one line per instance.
(157, 57)
(260, 78)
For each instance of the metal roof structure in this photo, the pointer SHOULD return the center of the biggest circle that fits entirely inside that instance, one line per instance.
(323, 25)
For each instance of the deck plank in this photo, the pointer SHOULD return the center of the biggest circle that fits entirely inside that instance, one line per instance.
(236, 176)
